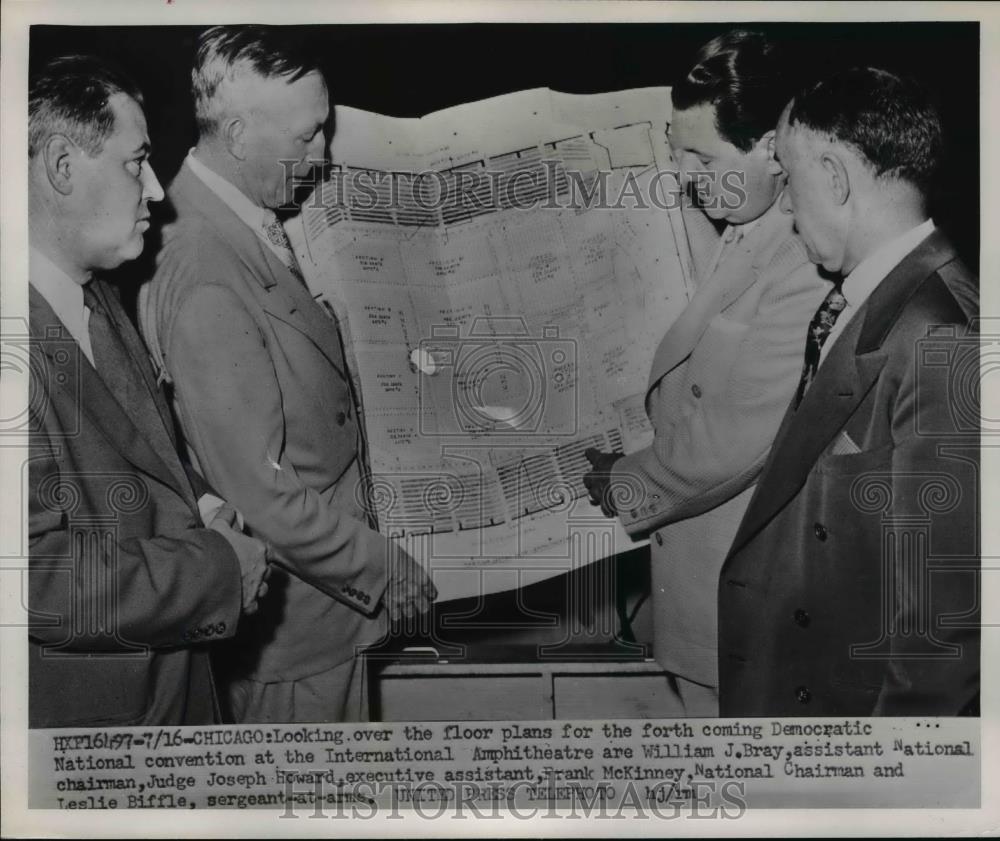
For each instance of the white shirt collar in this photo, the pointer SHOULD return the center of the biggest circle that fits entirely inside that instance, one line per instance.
(63, 294)
(748, 228)
(255, 216)
(734, 234)
(871, 271)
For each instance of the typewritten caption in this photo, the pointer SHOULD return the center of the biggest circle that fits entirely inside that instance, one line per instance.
(662, 768)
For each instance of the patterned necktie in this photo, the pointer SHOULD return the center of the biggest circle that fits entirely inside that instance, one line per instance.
(819, 330)
(275, 233)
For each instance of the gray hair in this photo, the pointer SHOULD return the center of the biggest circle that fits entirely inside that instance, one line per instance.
(224, 52)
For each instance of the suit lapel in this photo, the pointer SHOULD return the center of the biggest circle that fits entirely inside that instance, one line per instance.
(133, 344)
(683, 335)
(98, 403)
(736, 273)
(150, 409)
(887, 301)
(841, 384)
(845, 377)
(284, 296)
(289, 300)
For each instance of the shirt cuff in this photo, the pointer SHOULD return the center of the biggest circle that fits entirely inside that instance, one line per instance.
(208, 507)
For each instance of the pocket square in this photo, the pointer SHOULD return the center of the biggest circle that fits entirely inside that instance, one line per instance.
(843, 445)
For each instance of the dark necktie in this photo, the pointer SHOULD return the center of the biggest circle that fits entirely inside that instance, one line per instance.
(819, 330)
(113, 363)
(121, 371)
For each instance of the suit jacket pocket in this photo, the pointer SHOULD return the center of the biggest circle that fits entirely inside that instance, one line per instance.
(855, 463)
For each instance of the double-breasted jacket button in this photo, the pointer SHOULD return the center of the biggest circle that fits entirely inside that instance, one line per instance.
(341, 418)
(820, 531)
(803, 695)
(659, 539)
(696, 390)
(802, 618)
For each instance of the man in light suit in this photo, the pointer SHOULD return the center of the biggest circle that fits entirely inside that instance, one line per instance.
(726, 369)
(852, 585)
(124, 583)
(261, 384)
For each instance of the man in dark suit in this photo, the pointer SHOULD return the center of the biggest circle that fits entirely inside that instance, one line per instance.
(124, 582)
(852, 585)
(722, 375)
(261, 385)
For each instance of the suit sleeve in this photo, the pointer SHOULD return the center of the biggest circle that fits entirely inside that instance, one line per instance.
(198, 483)
(89, 591)
(231, 405)
(932, 603)
(716, 445)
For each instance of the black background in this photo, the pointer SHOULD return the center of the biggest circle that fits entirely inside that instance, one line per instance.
(413, 69)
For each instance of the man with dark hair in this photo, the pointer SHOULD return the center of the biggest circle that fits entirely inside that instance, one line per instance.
(123, 580)
(726, 369)
(262, 388)
(852, 585)
(744, 75)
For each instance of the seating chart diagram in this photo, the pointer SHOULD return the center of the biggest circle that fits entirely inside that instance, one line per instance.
(502, 273)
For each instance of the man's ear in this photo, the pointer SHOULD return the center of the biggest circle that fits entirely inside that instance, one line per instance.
(233, 130)
(837, 179)
(58, 156)
(767, 145)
